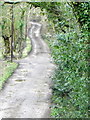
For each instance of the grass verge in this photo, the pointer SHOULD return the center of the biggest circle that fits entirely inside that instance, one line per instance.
(6, 70)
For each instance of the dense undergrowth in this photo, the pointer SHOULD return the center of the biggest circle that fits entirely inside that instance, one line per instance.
(70, 50)
(70, 91)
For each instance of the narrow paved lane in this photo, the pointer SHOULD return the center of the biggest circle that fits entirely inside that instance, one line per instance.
(27, 93)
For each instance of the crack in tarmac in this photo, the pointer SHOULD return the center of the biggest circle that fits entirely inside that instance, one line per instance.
(28, 91)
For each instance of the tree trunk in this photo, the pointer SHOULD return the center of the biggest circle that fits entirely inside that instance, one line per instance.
(12, 32)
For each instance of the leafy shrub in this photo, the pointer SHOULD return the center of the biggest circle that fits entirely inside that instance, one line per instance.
(70, 91)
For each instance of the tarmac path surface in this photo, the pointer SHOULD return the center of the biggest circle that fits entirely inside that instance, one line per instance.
(28, 91)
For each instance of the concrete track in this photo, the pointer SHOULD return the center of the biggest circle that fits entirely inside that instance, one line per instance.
(27, 93)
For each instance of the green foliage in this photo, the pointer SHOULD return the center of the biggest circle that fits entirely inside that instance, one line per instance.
(1, 48)
(19, 27)
(69, 50)
(70, 92)
(7, 69)
(81, 10)
(27, 49)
